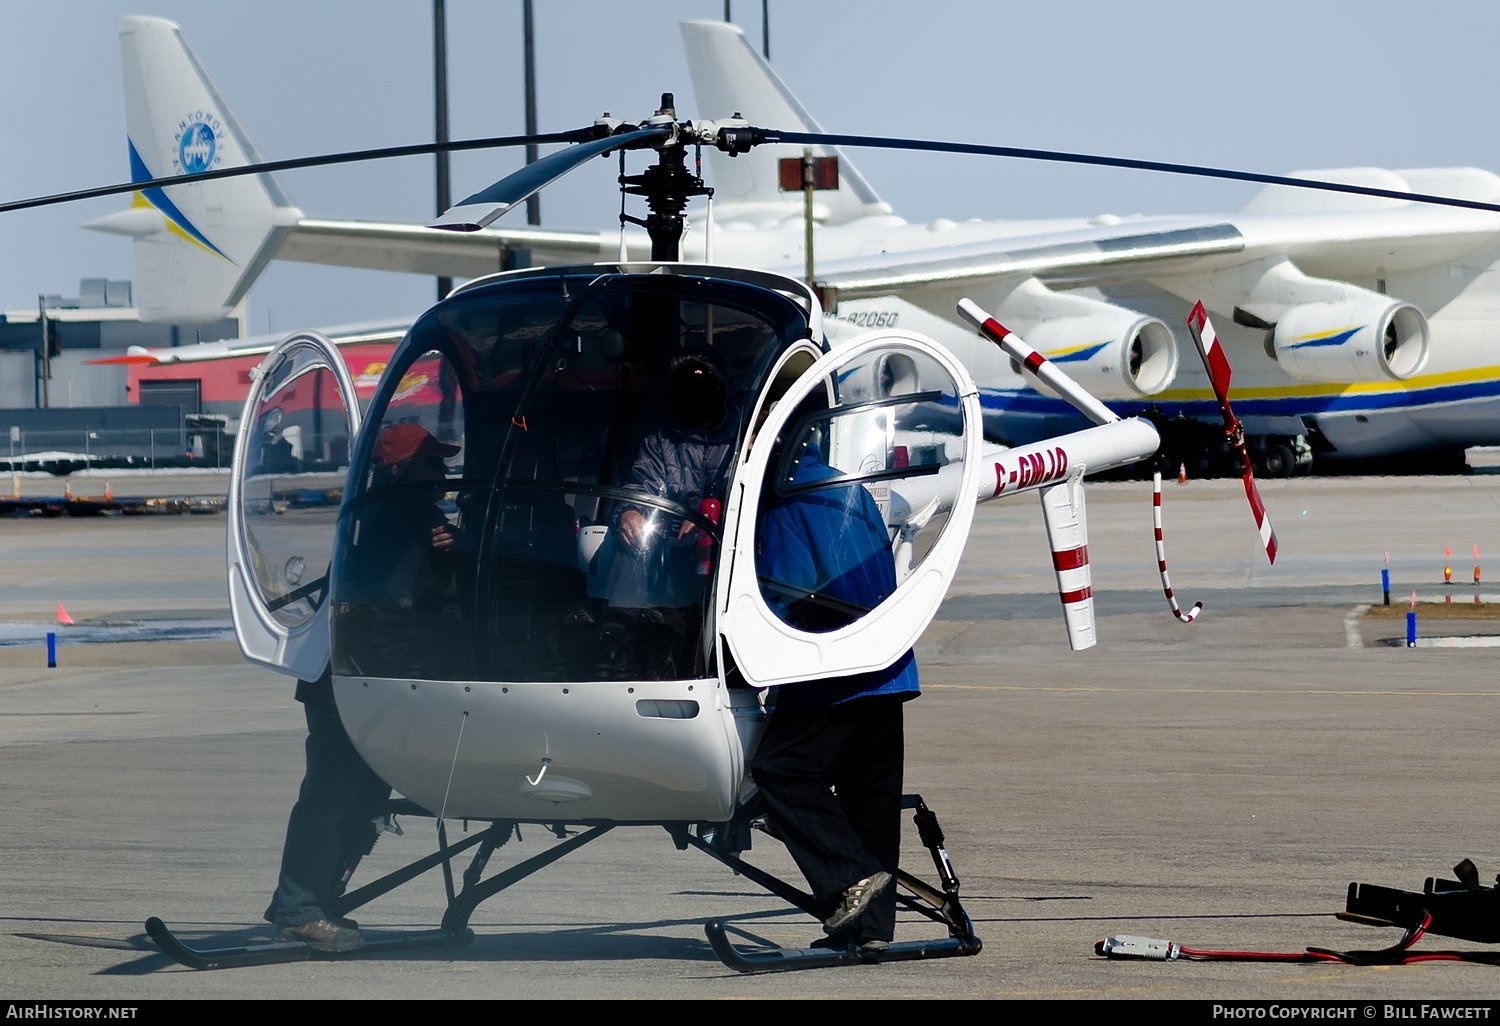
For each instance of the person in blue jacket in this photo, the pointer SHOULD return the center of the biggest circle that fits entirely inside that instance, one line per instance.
(829, 764)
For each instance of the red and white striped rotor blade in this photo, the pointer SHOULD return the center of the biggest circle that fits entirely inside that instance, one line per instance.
(1217, 364)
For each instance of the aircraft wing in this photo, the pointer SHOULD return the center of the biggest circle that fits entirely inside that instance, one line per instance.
(421, 250)
(1179, 254)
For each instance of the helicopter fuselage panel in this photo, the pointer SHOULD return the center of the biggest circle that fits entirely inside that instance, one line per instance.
(541, 751)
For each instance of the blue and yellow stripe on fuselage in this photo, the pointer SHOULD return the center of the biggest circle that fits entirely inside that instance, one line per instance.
(1031, 410)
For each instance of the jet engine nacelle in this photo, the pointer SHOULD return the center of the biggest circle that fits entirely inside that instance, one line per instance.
(1364, 338)
(1115, 354)
(1112, 351)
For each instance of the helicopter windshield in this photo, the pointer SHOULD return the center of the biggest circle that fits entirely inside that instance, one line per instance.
(536, 495)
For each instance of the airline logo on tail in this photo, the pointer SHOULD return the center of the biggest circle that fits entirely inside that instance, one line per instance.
(198, 143)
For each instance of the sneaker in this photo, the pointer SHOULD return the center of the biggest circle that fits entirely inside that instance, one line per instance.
(322, 935)
(855, 899)
(836, 942)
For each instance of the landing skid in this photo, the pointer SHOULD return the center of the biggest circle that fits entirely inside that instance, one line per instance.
(776, 960)
(236, 956)
(453, 932)
(723, 841)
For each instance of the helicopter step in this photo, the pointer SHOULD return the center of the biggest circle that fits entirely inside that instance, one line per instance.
(234, 956)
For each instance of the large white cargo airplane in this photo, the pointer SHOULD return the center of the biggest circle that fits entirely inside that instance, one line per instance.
(1357, 325)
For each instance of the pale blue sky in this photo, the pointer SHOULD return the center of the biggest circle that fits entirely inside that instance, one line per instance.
(1272, 86)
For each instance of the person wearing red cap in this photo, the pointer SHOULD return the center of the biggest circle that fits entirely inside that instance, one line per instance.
(332, 825)
(398, 443)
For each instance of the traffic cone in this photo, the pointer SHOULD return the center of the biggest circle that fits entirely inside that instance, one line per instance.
(109, 495)
(1448, 566)
(1182, 473)
(62, 615)
(1476, 566)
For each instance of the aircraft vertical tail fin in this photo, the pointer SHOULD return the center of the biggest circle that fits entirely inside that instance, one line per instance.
(730, 77)
(198, 248)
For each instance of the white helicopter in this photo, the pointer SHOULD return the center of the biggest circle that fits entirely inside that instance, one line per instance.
(537, 678)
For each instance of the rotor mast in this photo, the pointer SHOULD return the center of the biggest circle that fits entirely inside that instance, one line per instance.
(666, 186)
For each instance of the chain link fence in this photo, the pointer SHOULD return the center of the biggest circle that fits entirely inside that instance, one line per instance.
(66, 451)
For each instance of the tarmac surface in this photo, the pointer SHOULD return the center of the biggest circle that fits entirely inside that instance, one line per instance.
(1218, 784)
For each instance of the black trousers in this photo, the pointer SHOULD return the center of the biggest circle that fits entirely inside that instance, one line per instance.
(831, 781)
(331, 826)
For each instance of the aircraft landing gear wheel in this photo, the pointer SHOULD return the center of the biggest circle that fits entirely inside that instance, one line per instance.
(1278, 461)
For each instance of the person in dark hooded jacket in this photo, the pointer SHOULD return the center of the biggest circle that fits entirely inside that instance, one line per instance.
(654, 576)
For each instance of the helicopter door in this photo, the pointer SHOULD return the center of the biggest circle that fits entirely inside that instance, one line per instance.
(853, 507)
(290, 463)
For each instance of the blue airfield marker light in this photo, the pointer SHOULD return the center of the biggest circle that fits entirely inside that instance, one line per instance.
(51, 650)
(1411, 623)
(1385, 583)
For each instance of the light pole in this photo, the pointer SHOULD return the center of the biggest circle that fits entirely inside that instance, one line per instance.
(440, 102)
(807, 212)
(41, 307)
(528, 65)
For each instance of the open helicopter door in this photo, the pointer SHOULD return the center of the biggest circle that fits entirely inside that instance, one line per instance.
(290, 463)
(894, 414)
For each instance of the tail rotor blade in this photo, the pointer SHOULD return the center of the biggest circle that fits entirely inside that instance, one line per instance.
(1217, 364)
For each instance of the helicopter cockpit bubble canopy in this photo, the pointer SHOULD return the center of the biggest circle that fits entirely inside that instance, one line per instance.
(482, 585)
(549, 386)
(478, 538)
(291, 459)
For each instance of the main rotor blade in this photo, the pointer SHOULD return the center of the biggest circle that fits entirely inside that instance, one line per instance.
(770, 135)
(348, 157)
(486, 205)
(742, 139)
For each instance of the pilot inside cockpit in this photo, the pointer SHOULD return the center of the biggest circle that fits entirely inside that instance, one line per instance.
(655, 578)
